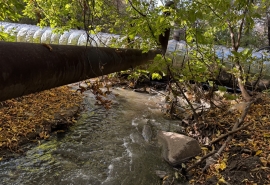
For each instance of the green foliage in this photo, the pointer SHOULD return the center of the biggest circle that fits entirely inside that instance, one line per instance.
(156, 76)
(130, 19)
(10, 10)
(62, 15)
(8, 37)
(222, 88)
(139, 22)
(5, 36)
(267, 91)
(137, 74)
(228, 96)
(204, 19)
(247, 61)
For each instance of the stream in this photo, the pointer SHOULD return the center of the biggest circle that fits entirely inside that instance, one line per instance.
(105, 147)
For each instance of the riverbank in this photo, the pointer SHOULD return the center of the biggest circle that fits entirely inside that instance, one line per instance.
(29, 119)
(246, 158)
(32, 119)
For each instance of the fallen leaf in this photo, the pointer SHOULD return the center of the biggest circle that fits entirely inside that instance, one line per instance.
(166, 177)
(264, 161)
(223, 165)
(222, 180)
(258, 152)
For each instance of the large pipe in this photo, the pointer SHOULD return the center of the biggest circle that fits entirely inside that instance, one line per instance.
(27, 68)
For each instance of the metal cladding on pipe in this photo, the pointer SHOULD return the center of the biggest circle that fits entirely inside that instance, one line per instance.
(34, 34)
(27, 68)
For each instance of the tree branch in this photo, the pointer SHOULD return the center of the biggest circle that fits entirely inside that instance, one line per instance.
(229, 133)
(232, 35)
(240, 30)
(201, 160)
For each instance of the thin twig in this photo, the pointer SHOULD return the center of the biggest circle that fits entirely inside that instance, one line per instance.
(229, 133)
(172, 181)
(201, 160)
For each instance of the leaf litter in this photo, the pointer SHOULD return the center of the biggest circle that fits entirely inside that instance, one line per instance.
(33, 117)
(246, 159)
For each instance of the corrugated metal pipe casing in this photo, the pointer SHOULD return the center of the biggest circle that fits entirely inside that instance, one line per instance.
(34, 34)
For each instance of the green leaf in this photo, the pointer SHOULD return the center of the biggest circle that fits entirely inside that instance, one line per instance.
(222, 88)
(156, 76)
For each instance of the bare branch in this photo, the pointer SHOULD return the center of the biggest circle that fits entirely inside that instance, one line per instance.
(201, 160)
(232, 35)
(229, 133)
(240, 30)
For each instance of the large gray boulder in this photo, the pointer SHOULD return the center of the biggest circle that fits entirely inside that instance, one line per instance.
(177, 148)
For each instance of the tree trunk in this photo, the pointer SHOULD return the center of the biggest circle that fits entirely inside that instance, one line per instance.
(27, 68)
(268, 26)
(241, 84)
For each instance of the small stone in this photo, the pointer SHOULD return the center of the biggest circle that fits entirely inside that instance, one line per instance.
(161, 174)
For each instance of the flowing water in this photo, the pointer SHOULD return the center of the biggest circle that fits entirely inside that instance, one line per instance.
(105, 147)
